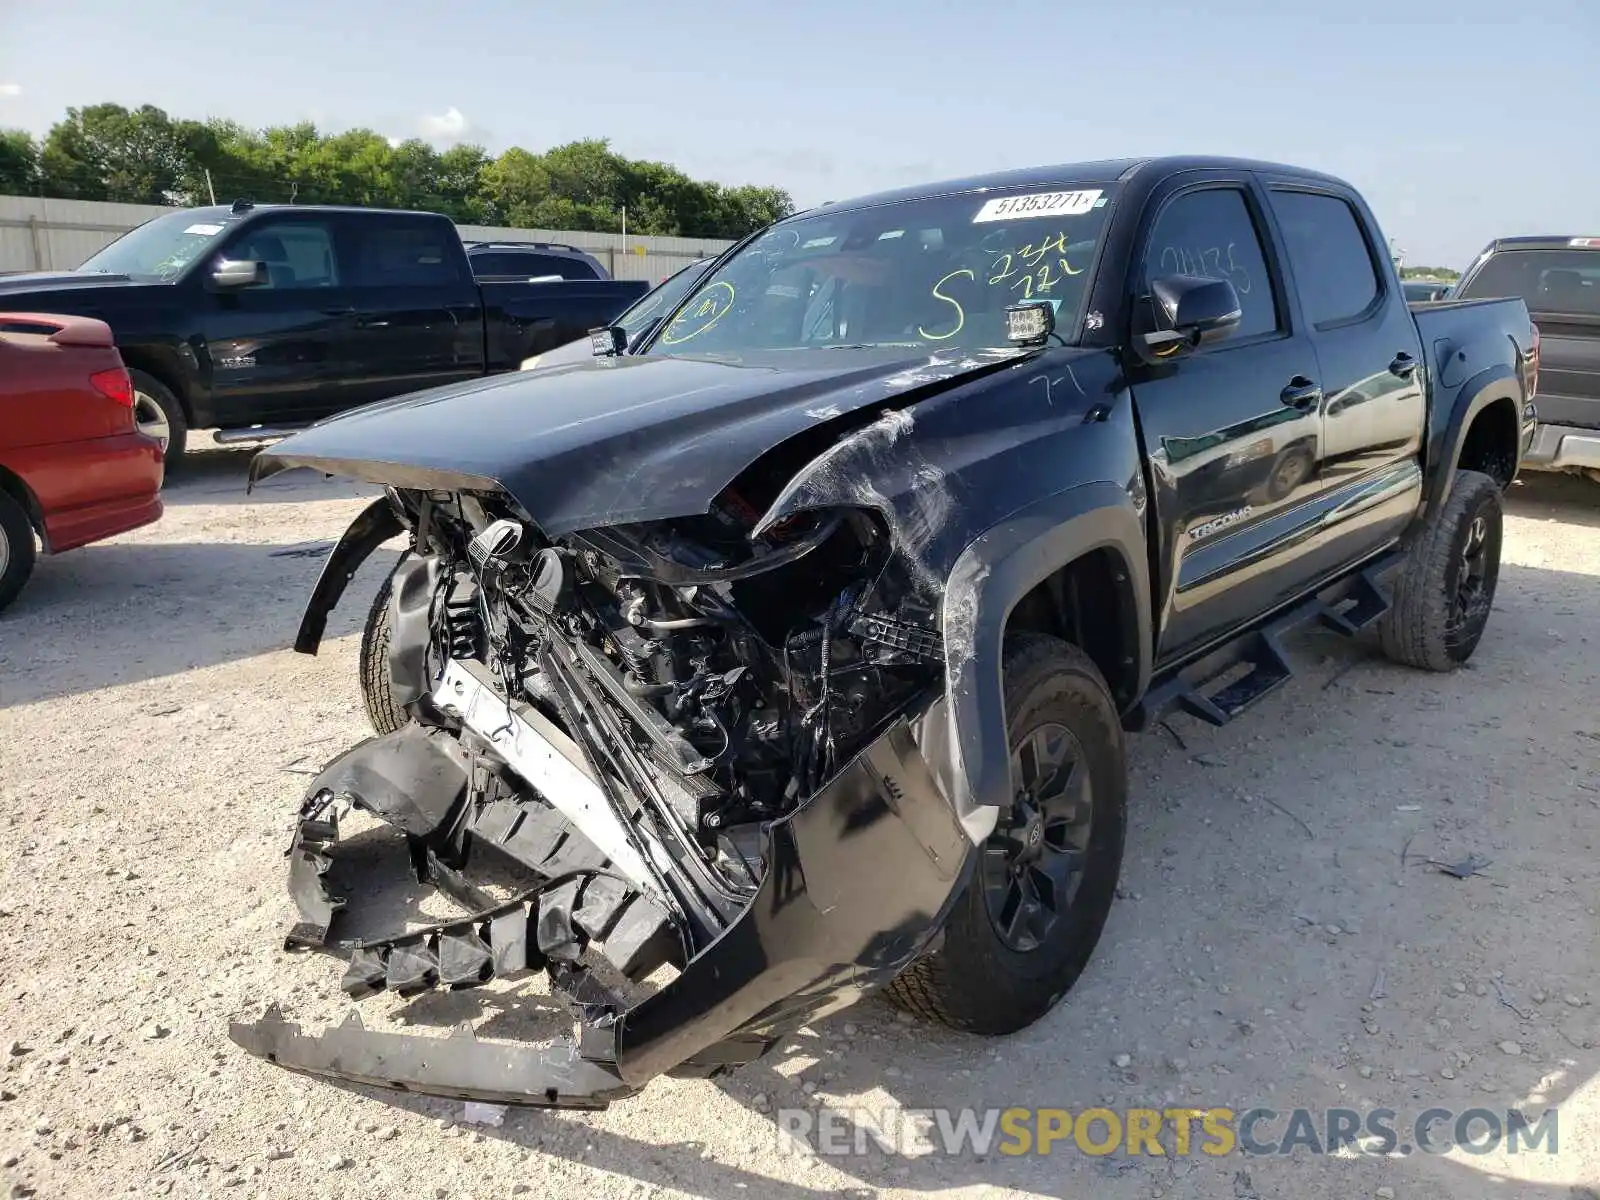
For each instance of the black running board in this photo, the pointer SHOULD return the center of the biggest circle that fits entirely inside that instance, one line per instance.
(1349, 607)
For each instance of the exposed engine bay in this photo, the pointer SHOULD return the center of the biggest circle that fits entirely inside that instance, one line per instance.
(628, 722)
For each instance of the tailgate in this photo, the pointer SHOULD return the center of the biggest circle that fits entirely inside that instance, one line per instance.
(1559, 280)
(1569, 370)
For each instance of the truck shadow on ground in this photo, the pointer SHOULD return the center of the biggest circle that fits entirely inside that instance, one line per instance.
(1567, 498)
(122, 612)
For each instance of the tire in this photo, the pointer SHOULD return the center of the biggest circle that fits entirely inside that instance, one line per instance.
(976, 979)
(158, 412)
(1445, 590)
(385, 715)
(16, 548)
(1288, 473)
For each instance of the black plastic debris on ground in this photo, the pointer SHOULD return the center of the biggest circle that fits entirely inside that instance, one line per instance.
(1472, 864)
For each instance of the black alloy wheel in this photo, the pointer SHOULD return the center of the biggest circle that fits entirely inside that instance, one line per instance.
(1033, 865)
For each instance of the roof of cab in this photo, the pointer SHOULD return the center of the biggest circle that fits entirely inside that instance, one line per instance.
(1114, 170)
(227, 212)
(1546, 241)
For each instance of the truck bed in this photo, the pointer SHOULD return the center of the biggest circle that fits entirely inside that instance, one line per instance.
(1461, 340)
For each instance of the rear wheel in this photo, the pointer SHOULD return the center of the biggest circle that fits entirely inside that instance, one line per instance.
(1023, 930)
(16, 548)
(1445, 591)
(158, 413)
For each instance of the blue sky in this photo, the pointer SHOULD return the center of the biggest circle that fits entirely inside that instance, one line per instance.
(1460, 120)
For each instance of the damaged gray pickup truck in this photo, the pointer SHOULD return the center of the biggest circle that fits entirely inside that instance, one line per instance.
(789, 656)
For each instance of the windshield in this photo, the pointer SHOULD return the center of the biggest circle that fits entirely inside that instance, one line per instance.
(1550, 281)
(157, 249)
(934, 273)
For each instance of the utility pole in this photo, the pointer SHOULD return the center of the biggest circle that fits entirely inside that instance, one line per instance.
(211, 190)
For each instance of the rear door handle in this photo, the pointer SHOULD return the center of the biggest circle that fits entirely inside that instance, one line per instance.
(338, 312)
(1403, 365)
(1302, 393)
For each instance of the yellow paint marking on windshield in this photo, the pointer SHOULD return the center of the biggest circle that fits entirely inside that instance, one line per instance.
(707, 308)
(961, 314)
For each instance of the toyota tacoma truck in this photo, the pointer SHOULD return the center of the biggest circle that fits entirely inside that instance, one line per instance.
(789, 656)
(258, 319)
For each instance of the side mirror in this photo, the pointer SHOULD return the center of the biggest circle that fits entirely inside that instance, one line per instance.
(1186, 312)
(239, 273)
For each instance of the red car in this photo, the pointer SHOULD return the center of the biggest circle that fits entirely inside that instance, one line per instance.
(73, 468)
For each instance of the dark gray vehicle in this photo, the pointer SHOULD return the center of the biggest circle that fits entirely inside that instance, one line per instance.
(789, 656)
(1559, 280)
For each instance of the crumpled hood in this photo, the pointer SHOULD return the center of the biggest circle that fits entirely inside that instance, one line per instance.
(613, 440)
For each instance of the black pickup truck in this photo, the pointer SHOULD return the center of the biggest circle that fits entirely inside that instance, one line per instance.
(255, 319)
(1559, 280)
(790, 653)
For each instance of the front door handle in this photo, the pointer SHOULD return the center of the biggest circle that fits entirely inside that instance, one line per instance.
(336, 311)
(1403, 365)
(1302, 393)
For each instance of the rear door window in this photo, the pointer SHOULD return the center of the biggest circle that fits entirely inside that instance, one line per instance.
(405, 254)
(1553, 281)
(1331, 258)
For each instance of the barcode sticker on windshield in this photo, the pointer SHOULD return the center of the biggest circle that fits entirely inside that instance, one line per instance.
(204, 230)
(1038, 204)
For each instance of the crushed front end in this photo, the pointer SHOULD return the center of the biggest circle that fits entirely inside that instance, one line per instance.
(693, 756)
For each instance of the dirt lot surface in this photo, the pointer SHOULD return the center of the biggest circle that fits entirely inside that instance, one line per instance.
(155, 735)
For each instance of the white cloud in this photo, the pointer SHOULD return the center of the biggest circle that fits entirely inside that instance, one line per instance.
(15, 89)
(448, 127)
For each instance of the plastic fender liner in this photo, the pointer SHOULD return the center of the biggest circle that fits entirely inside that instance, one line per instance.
(991, 576)
(375, 525)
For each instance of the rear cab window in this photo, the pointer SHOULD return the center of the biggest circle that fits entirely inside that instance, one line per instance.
(1564, 281)
(1331, 258)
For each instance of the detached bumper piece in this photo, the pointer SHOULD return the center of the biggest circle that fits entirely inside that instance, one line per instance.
(535, 931)
(857, 881)
(459, 1066)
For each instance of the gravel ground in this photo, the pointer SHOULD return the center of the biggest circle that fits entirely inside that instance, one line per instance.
(155, 735)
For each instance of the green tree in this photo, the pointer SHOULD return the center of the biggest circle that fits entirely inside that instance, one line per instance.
(107, 152)
(19, 162)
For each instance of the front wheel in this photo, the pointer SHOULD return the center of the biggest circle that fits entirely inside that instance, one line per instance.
(1023, 930)
(386, 716)
(1446, 588)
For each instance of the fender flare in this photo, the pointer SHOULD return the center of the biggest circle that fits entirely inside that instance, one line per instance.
(1489, 386)
(375, 525)
(989, 578)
